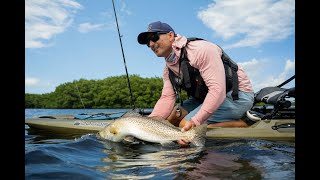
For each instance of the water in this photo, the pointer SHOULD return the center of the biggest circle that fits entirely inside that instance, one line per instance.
(62, 156)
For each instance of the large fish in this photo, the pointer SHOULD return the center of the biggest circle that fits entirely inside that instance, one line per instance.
(161, 131)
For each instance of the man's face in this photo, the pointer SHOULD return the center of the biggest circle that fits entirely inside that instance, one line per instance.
(161, 43)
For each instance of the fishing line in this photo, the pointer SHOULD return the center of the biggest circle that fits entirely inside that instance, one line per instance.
(124, 60)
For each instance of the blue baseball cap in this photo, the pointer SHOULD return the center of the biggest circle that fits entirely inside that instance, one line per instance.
(153, 28)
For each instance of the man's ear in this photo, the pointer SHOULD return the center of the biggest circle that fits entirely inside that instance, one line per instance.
(171, 36)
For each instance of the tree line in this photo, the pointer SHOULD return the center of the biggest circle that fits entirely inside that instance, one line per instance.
(112, 92)
(109, 93)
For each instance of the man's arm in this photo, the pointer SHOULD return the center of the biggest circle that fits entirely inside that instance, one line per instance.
(206, 57)
(167, 100)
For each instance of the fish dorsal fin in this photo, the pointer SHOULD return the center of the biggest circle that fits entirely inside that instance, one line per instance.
(164, 121)
(131, 113)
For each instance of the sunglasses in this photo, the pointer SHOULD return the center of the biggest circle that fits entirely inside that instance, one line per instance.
(154, 37)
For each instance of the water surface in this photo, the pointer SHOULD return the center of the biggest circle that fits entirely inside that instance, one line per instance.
(61, 156)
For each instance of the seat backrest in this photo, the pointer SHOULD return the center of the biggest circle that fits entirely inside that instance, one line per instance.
(273, 95)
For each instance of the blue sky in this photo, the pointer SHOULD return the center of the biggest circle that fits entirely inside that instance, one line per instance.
(67, 40)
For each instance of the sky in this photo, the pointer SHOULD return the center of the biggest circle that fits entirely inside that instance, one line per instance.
(67, 40)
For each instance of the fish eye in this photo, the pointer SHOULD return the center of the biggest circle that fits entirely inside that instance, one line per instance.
(113, 130)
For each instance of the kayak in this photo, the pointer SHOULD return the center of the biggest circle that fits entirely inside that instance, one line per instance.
(275, 120)
(274, 129)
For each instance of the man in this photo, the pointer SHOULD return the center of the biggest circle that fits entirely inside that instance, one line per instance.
(214, 105)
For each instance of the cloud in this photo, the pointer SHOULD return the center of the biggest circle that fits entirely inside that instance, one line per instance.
(252, 22)
(124, 9)
(109, 15)
(254, 67)
(283, 76)
(34, 85)
(31, 81)
(260, 76)
(45, 19)
(86, 27)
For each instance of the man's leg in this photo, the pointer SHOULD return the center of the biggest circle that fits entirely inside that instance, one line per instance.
(230, 124)
(229, 113)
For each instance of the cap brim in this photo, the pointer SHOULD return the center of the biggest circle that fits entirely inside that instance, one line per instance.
(142, 37)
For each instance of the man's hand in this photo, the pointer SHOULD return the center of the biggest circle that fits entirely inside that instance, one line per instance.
(188, 125)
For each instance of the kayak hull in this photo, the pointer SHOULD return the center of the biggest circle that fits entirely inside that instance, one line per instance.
(261, 129)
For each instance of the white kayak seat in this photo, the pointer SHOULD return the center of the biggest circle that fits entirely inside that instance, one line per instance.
(275, 96)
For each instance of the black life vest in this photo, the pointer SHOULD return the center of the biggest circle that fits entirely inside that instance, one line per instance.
(193, 83)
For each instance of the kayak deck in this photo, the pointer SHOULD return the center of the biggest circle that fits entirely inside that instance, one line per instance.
(262, 129)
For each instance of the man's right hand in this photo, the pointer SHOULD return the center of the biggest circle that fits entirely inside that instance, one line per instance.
(188, 125)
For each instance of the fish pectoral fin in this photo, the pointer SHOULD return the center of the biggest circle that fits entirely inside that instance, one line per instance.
(129, 139)
(168, 143)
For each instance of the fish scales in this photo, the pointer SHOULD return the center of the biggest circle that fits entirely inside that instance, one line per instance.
(156, 128)
(151, 130)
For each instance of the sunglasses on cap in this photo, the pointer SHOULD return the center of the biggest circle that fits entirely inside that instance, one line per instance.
(154, 37)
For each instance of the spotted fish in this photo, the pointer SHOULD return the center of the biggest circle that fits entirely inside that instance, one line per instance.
(132, 124)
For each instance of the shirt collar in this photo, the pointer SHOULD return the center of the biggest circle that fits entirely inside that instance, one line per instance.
(179, 42)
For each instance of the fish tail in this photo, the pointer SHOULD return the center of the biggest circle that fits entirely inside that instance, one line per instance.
(199, 138)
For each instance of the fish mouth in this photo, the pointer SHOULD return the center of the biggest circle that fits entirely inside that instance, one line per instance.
(101, 134)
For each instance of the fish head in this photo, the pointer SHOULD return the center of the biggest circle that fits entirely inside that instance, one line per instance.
(111, 132)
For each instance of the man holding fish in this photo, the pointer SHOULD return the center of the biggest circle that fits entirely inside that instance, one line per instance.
(216, 96)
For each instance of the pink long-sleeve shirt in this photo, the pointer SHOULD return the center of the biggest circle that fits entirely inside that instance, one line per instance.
(206, 57)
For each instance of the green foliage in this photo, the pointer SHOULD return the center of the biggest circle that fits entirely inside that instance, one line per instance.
(111, 92)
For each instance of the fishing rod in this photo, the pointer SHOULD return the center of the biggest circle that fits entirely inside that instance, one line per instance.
(287, 81)
(124, 60)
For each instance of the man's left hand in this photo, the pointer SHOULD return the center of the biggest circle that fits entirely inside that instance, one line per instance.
(188, 125)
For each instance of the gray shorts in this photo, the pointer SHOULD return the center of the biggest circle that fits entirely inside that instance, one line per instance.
(227, 111)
